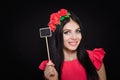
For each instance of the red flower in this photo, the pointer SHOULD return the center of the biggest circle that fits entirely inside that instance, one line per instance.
(62, 12)
(55, 18)
(52, 26)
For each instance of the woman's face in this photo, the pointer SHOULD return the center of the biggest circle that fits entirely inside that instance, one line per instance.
(71, 36)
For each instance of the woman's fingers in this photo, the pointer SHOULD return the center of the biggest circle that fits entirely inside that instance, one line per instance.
(49, 70)
(50, 63)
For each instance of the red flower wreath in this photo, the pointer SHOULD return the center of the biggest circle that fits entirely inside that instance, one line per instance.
(55, 18)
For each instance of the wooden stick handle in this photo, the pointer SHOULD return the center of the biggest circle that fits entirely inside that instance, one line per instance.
(47, 48)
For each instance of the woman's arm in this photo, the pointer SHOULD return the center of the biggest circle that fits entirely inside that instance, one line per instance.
(102, 73)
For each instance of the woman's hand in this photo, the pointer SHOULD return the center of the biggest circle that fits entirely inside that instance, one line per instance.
(50, 72)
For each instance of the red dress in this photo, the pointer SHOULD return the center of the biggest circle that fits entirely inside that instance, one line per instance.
(73, 70)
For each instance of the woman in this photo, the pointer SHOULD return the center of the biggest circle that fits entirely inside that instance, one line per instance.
(69, 58)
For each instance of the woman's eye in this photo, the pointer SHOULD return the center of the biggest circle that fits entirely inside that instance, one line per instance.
(78, 31)
(66, 32)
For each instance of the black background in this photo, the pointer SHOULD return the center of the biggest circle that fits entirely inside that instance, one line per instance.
(22, 49)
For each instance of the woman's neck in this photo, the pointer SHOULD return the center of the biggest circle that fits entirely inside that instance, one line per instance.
(70, 55)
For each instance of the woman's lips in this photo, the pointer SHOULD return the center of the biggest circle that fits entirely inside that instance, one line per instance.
(72, 43)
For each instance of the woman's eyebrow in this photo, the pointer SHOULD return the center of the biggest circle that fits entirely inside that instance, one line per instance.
(70, 29)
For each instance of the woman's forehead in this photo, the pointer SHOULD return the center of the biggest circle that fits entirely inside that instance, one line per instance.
(71, 25)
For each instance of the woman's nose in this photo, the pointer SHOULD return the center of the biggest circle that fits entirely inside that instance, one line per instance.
(74, 36)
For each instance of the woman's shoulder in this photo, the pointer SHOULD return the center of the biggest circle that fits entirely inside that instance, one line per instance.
(101, 50)
(42, 65)
(96, 56)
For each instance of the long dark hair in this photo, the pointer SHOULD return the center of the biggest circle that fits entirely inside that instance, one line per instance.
(56, 49)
